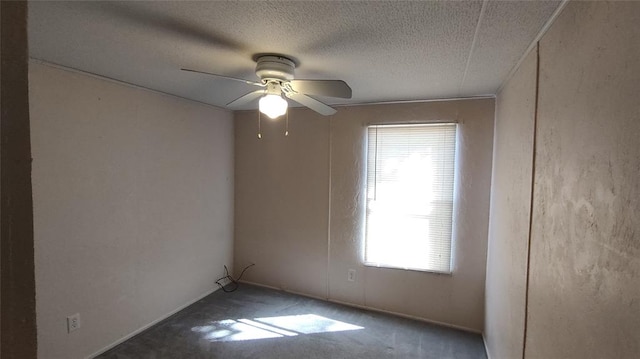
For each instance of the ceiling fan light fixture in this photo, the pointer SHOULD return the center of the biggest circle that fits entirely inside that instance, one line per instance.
(277, 78)
(273, 106)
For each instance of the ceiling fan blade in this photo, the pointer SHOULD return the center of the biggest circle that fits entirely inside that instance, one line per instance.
(226, 77)
(311, 103)
(245, 99)
(331, 88)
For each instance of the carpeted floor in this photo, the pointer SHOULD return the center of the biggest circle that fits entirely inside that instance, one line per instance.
(255, 322)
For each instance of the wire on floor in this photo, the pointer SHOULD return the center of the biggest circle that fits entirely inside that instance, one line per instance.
(229, 281)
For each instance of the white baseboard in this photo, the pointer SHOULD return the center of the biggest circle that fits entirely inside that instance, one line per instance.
(373, 309)
(486, 347)
(260, 285)
(408, 316)
(147, 326)
(284, 290)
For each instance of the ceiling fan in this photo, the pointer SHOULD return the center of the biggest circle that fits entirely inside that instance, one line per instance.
(276, 73)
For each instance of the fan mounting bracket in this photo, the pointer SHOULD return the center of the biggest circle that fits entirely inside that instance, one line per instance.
(273, 67)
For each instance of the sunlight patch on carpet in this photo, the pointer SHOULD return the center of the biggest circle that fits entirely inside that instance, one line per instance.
(270, 327)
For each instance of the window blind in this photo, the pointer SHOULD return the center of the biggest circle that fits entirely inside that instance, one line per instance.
(410, 174)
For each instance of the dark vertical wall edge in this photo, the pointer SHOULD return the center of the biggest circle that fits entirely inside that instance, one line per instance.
(533, 182)
(18, 326)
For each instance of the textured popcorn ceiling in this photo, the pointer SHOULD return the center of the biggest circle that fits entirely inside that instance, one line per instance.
(385, 50)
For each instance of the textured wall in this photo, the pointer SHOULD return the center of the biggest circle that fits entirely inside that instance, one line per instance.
(455, 299)
(282, 210)
(282, 201)
(585, 250)
(510, 213)
(133, 196)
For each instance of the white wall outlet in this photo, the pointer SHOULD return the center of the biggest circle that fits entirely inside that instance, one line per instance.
(73, 322)
(351, 275)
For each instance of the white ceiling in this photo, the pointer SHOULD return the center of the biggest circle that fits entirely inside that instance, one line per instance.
(385, 50)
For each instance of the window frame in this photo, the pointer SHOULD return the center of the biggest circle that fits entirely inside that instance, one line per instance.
(454, 197)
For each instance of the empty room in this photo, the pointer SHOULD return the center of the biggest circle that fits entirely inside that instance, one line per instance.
(320, 179)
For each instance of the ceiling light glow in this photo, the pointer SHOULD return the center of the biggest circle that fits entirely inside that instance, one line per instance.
(273, 106)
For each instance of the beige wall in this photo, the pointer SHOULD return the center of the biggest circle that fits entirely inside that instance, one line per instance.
(282, 201)
(284, 186)
(133, 205)
(585, 251)
(510, 213)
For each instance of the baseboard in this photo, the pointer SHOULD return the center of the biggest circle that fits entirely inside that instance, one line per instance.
(408, 316)
(259, 285)
(284, 290)
(486, 347)
(373, 309)
(147, 326)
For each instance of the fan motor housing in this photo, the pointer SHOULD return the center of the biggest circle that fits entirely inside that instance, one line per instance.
(275, 67)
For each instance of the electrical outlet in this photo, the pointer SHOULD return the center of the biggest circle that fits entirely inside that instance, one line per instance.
(351, 275)
(73, 322)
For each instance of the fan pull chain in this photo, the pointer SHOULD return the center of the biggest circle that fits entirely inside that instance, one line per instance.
(286, 128)
(259, 131)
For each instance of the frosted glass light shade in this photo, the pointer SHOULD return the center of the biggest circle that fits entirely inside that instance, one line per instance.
(273, 106)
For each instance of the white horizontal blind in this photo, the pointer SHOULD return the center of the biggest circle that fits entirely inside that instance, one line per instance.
(410, 178)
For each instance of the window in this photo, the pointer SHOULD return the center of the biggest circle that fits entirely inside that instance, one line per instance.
(410, 174)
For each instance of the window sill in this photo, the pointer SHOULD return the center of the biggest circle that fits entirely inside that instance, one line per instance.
(386, 266)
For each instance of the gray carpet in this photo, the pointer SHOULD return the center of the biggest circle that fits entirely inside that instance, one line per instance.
(255, 322)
